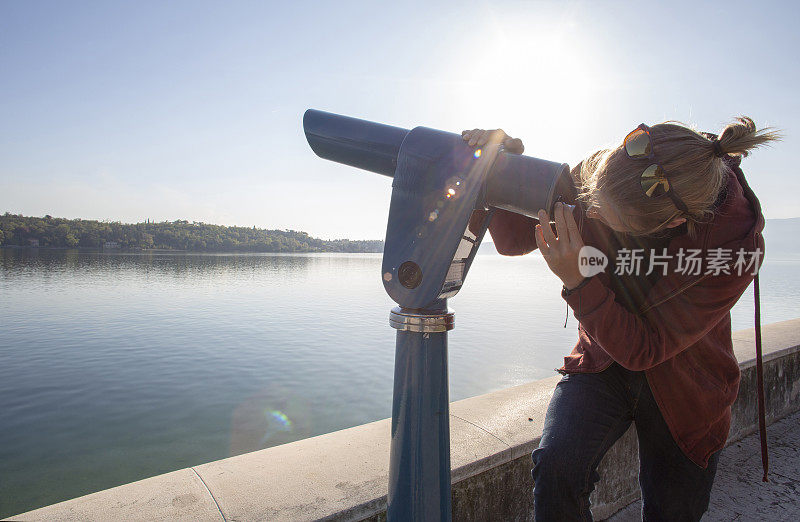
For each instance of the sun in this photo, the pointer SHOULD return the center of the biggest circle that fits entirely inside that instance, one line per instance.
(529, 76)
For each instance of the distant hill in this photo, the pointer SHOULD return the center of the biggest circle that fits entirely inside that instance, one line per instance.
(47, 231)
(782, 237)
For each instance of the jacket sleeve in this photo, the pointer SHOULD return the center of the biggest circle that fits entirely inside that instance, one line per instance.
(513, 234)
(638, 342)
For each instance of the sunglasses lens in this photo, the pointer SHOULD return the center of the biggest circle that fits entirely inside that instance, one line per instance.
(654, 183)
(637, 144)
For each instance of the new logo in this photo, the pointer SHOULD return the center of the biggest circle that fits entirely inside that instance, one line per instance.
(591, 261)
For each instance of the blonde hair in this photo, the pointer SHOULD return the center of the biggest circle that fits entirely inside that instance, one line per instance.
(610, 178)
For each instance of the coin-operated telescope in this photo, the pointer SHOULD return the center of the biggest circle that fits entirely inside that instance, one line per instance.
(443, 196)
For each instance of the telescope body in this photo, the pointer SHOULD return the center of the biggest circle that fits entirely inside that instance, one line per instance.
(441, 192)
(443, 196)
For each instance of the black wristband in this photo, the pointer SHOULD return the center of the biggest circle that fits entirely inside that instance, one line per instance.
(583, 283)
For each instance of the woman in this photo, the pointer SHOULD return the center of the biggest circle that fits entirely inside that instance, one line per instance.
(673, 213)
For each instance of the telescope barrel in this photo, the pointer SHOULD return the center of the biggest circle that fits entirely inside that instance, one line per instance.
(359, 143)
(520, 184)
(524, 185)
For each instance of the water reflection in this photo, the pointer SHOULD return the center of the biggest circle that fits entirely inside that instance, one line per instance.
(15, 262)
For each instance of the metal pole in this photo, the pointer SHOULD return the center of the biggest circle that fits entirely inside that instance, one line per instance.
(419, 463)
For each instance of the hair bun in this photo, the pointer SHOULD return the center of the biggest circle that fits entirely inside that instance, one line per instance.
(740, 137)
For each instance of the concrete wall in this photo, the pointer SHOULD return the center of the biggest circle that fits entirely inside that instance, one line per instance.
(344, 475)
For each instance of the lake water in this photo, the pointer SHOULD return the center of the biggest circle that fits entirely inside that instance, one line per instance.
(116, 367)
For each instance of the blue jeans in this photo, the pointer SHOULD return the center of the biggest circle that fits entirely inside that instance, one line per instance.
(587, 414)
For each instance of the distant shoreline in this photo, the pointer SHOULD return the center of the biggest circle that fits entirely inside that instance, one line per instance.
(90, 250)
(168, 236)
(181, 236)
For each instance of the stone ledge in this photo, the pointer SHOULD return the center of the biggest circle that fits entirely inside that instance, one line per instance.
(344, 475)
(179, 495)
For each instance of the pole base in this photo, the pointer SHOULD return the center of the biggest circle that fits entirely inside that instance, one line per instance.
(422, 320)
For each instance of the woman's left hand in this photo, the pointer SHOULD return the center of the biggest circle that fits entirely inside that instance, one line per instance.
(480, 137)
(561, 251)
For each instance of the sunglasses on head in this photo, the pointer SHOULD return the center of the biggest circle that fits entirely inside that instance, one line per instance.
(653, 180)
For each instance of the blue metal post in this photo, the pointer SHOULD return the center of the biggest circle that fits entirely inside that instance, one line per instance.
(419, 464)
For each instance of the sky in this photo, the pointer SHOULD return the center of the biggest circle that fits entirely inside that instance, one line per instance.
(135, 110)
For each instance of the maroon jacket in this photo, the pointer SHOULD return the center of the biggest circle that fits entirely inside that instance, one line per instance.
(679, 330)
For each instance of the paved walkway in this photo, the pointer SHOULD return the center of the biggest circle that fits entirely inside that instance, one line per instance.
(738, 492)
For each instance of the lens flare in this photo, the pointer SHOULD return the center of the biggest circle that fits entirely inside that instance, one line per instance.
(280, 417)
(277, 421)
(477, 154)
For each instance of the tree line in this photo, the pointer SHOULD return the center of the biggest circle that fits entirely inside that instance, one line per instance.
(47, 231)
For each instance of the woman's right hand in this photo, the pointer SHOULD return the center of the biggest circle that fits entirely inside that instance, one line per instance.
(480, 137)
